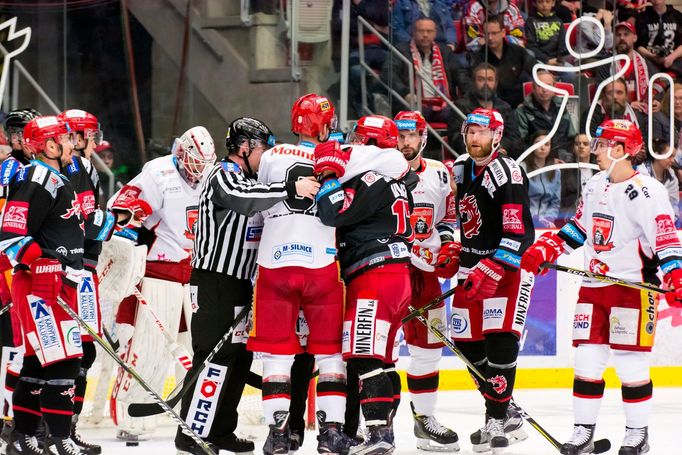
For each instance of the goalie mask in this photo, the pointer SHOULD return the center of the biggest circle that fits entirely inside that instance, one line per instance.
(194, 153)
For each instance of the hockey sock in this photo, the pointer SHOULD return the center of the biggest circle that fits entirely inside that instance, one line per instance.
(276, 385)
(422, 379)
(331, 387)
(26, 396)
(587, 397)
(301, 373)
(57, 397)
(393, 375)
(11, 381)
(474, 352)
(502, 350)
(89, 354)
(637, 404)
(376, 391)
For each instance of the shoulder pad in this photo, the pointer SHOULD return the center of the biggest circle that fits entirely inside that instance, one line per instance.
(230, 167)
(8, 170)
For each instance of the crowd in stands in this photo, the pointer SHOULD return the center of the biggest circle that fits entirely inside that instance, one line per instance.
(481, 53)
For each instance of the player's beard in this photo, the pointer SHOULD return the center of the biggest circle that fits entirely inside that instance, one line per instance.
(481, 153)
(409, 156)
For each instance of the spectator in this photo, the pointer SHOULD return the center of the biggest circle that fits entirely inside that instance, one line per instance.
(407, 12)
(544, 190)
(545, 34)
(538, 112)
(514, 65)
(573, 180)
(637, 75)
(662, 171)
(475, 16)
(614, 105)
(483, 94)
(659, 36)
(661, 126)
(589, 34)
(433, 59)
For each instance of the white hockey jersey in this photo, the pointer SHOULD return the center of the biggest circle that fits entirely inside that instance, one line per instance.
(627, 229)
(293, 234)
(175, 207)
(431, 216)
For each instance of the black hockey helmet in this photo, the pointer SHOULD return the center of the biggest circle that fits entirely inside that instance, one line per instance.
(18, 118)
(247, 129)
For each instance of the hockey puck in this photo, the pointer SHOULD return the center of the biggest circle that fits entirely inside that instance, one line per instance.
(132, 444)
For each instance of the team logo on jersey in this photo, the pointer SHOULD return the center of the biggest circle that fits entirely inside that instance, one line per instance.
(191, 217)
(348, 196)
(74, 211)
(87, 202)
(602, 230)
(421, 219)
(16, 217)
(499, 383)
(511, 219)
(597, 266)
(666, 236)
(470, 216)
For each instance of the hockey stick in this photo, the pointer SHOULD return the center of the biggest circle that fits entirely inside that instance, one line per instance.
(159, 401)
(149, 409)
(415, 313)
(604, 278)
(600, 446)
(6, 308)
(179, 352)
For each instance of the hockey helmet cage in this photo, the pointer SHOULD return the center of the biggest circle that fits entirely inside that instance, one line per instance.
(194, 152)
(488, 118)
(622, 131)
(310, 113)
(412, 121)
(247, 129)
(40, 129)
(83, 122)
(382, 130)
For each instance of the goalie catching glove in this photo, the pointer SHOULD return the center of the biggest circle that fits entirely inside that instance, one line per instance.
(130, 212)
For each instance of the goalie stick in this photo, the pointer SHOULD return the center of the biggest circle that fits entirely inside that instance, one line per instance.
(604, 278)
(600, 446)
(159, 401)
(149, 409)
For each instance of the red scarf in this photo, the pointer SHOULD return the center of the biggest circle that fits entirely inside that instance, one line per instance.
(438, 74)
(641, 77)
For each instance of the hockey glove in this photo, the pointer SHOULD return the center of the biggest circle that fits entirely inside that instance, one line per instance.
(483, 279)
(674, 282)
(131, 212)
(46, 279)
(447, 262)
(545, 249)
(330, 157)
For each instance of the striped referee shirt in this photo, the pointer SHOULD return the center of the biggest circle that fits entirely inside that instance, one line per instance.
(227, 232)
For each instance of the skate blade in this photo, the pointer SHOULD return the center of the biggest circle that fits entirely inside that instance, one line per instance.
(381, 449)
(513, 437)
(431, 446)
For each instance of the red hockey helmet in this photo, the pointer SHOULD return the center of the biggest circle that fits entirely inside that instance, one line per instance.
(620, 131)
(40, 129)
(82, 122)
(375, 127)
(412, 121)
(488, 118)
(310, 113)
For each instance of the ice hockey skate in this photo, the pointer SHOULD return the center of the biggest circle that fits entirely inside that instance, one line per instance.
(512, 429)
(581, 441)
(432, 436)
(185, 445)
(87, 447)
(378, 441)
(278, 437)
(63, 446)
(636, 441)
(332, 439)
(22, 444)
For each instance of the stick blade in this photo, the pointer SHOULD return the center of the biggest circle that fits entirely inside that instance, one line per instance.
(601, 446)
(145, 409)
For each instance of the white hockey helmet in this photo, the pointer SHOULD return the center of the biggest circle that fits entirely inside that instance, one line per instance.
(194, 152)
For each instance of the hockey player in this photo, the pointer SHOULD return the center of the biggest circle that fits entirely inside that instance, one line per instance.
(297, 268)
(43, 234)
(170, 186)
(224, 263)
(85, 180)
(371, 213)
(434, 254)
(491, 302)
(632, 216)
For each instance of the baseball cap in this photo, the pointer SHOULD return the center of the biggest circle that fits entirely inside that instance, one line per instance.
(627, 25)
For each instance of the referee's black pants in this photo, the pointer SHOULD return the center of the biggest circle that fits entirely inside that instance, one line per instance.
(216, 296)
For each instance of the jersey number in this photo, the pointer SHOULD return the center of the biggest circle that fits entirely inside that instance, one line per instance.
(299, 204)
(401, 209)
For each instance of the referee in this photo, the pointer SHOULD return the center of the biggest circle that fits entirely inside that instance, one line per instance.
(225, 248)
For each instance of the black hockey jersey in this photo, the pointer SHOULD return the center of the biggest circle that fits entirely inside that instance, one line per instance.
(42, 208)
(494, 214)
(85, 181)
(372, 216)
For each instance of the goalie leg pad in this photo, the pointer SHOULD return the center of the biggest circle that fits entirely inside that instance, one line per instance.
(120, 267)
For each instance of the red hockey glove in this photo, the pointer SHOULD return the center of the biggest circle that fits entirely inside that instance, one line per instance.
(483, 279)
(674, 282)
(330, 157)
(447, 262)
(545, 249)
(46, 279)
(138, 211)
